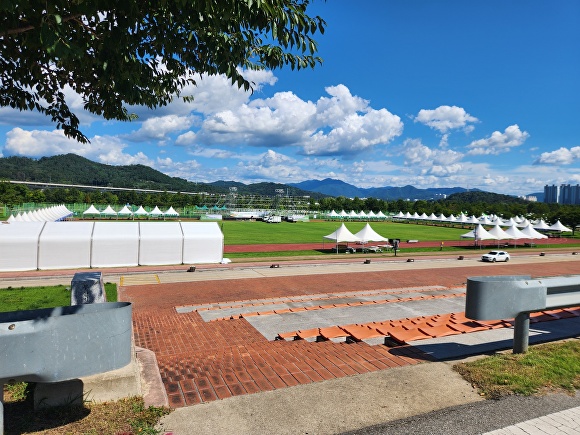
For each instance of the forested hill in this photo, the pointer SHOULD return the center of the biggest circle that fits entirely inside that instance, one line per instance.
(473, 197)
(73, 169)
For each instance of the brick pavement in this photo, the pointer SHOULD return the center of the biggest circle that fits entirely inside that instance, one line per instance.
(201, 361)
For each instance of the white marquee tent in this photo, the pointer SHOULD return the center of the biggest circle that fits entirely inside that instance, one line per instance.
(367, 234)
(63, 245)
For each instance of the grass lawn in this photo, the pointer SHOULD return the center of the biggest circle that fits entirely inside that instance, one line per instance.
(544, 368)
(258, 232)
(126, 416)
(32, 298)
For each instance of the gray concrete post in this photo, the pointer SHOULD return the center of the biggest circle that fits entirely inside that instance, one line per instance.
(521, 333)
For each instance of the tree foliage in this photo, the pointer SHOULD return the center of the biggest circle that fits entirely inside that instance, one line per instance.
(117, 54)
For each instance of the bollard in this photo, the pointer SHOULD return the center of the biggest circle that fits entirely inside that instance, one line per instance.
(515, 297)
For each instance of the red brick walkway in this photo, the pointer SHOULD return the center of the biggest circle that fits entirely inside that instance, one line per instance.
(202, 361)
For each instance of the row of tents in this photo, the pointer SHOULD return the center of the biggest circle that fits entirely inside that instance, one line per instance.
(517, 221)
(55, 213)
(354, 215)
(127, 212)
(86, 244)
(498, 233)
(367, 234)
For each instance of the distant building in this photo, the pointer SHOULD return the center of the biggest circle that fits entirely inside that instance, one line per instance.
(551, 194)
(563, 194)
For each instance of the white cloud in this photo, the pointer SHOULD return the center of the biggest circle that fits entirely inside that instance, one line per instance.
(341, 124)
(499, 142)
(445, 118)
(39, 143)
(159, 128)
(562, 156)
(437, 162)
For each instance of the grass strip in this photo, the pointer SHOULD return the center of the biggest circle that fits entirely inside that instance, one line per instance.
(544, 368)
(33, 298)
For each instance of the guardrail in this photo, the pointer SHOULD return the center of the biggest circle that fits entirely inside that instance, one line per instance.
(63, 343)
(515, 297)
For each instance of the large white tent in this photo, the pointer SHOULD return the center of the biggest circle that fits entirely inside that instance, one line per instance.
(19, 245)
(558, 226)
(64, 245)
(161, 243)
(342, 234)
(531, 233)
(479, 233)
(202, 243)
(115, 244)
(367, 234)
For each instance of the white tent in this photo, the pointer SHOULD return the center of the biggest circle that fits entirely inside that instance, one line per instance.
(332, 214)
(65, 245)
(70, 245)
(203, 242)
(161, 243)
(479, 233)
(109, 212)
(531, 233)
(367, 234)
(141, 211)
(19, 245)
(558, 226)
(156, 212)
(125, 211)
(171, 212)
(115, 244)
(499, 233)
(541, 225)
(381, 215)
(524, 223)
(92, 210)
(515, 233)
(509, 223)
(472, 220)
(399, 215)
(342, 234)
(11, 218)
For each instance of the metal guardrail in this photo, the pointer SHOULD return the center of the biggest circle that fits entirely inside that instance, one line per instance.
(63, 343)
(515, 297)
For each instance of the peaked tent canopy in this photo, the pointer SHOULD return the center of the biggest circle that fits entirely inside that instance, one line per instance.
(531, 233)
(171, 212)
(541, 225)
(367, 234)
(342, 234)
(125, 211)
(91, 210)
(558, 226)
(156, 212)
(479, 233)
(109, 211)
(141, 211)
(498, 232)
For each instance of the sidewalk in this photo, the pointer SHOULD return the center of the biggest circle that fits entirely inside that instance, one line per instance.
(420, 397)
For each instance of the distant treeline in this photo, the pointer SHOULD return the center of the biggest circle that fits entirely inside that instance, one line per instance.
(470, 203)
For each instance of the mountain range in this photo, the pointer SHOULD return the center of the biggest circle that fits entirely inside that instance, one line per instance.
(73, 169)
(332, 187)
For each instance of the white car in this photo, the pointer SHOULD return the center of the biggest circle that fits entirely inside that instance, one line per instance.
(494, 256)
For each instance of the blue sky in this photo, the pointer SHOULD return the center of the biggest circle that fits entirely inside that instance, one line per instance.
(428, 93)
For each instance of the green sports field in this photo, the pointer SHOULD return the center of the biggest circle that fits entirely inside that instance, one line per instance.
(258, 232)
